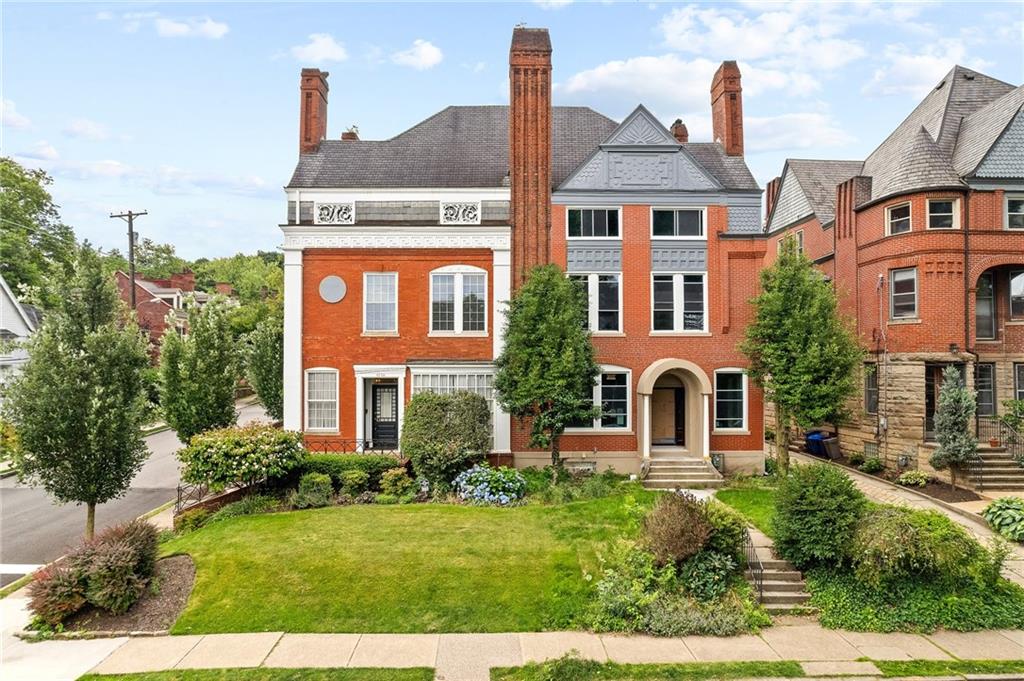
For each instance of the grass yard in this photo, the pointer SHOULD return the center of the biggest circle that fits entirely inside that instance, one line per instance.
(264, 674)
(756, 503)
(569, 669)
(949, 667)
(402, 569)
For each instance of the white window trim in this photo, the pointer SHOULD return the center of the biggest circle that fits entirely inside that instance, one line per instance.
(928, 214)
(380, 332)
(745, 428)
(888, 218)
(917, 294)
(597, 428)
(593, 279)
(798, 235)
(617, 209)
(677, 309)
(1006, 210)
(703, 223)
(458, 271)
(1018, 383)
(305, 400)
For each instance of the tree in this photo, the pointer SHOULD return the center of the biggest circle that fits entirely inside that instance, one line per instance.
(264, 364)
(958, 446)
(802, 353)
(34, 242)
(198, 373)
(547, 371)
(78, 404)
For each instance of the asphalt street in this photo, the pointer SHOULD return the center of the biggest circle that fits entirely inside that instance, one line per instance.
(35, 530)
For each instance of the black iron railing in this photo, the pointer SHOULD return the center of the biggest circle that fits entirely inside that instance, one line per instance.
(190, 495)
(754, 565)
(995, 431)
(338, 446)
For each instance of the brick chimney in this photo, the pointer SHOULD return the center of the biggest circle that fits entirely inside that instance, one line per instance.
(680, 132)
(224, 288)
(185, 280)
(771, 193)
(529, 137)
(312, 109)
(727, 108)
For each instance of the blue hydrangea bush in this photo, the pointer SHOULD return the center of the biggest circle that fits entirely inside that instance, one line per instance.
(482, 484)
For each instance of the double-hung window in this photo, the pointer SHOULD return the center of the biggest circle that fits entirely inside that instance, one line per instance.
(380, 302)
(458, 300)
(985, 387)
(796, 237)
(985, 307)
(903, 293)
(1018, 381)
(730, 399)
(593, 223)
(871, 388)
(897, 218)
(322, 400)
(678, 302)
(677, 223)
(942, 214)
(611, 394)
(1015, 211)
(1017, 294)
(604, 301)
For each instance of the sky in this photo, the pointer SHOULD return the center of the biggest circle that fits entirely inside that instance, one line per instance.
(190, 110)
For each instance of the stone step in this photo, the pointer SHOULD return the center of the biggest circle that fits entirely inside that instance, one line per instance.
(784, 597)
(676, 475)
(778, 575)
(997, 478)
(710, 483)
(774, 564)
(992, 455)
(1002, 468)
(780, 586)
(776, 609)
(1000, 487)
(679, 466)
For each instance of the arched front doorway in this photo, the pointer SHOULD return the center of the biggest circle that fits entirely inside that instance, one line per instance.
(674, 397)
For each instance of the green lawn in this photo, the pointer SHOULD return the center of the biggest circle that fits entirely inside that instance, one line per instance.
(568, 669)
(756, 503)
(415, 568)
(949, 667)
(263, 674)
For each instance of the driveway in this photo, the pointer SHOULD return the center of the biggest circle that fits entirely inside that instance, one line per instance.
(35, 530)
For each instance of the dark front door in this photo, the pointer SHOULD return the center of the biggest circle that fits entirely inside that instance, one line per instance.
(384, 404)
(680, 406)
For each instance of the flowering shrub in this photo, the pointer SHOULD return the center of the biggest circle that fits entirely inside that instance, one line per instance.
(246, 455)
(482, 484)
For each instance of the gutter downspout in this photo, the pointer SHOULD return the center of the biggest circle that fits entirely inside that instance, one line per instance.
(967, 271)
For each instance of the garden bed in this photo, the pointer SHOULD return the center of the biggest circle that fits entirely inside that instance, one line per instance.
(935, 488)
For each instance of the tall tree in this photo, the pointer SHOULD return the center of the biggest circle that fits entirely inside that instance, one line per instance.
(546, 372)
(34, 243)
(264, 364)
(198, 373)
(802, 353)
(958, 445)
(78, 404)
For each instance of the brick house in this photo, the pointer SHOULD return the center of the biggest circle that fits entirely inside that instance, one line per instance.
(155, 299)
(400, 255)
(924, 240)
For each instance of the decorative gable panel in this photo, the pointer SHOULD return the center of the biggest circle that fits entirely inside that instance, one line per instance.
(792, 203)
(1006, 157)
(640, 127)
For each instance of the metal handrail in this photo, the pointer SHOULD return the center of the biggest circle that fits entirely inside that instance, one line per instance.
(353, 446)
(754, 564)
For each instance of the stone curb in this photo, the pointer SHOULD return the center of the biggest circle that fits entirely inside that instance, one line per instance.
(35, 636)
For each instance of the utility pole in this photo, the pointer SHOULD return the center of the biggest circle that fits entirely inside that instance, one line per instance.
(129, 217)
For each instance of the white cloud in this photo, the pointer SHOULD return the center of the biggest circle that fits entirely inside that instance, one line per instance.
(421, 56)
(322, 47)
(41, 151)
(915, 73)
(475, 68)
(793, 131)
(552, 4)
(83, 128)
(202, 27)
(11, 118)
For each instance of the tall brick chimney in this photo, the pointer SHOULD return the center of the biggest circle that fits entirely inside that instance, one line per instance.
(312, 109)
(680, 132)
(529, 138)
(771, 193)
(727, 108)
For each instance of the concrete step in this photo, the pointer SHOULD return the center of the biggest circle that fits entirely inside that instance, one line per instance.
(709, 483)
(776, 609)
(1002, 468)
(778, 576)
(679, 466)
(773, 564)
(679, 475)
(992, 455)
(785, 597)
(781, 586)
(998, 478)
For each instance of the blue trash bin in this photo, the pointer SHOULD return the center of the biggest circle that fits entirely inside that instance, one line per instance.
(814, 443)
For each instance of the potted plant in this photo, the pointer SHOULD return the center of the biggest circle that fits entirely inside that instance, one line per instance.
(993, 441)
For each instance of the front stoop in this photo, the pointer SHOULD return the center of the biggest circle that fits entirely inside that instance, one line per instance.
(783, 589)
(682, 473)
(998, 471)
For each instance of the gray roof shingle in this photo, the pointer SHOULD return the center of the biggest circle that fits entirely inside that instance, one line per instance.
(980, 130)
(818, 179)
(922, 165)
(730, 171)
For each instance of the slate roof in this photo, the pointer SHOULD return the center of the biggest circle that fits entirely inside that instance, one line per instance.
(730, 171)
(818, 179)
(980, 130)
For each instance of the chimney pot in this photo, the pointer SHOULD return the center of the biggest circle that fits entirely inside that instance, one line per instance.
(350, 136)
(727, 108)
(312, 109)
(680, 132)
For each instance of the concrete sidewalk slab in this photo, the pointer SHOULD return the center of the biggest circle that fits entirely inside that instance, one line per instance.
(538, 647)
(150, 654)
(840, 669)
(312, 650)
(731, 649)
(395, 650)
(894, 646)
(53, 660)
(645, 649)
(808, 643)
(1015, 635)
(223, 651)
(469, 657)
(978, 645)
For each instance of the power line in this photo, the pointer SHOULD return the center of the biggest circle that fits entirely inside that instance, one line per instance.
(129, 217)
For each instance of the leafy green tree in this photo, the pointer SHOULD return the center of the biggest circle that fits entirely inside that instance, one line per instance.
(34, 242)
(198, 373)
(264, 364)
(78, 404)
(546, 372)
(958, 445)
(802, 353)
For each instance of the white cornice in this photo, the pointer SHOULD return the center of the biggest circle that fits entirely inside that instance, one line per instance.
(464, 236)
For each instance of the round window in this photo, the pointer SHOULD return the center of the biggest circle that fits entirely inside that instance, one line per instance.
(332, 288)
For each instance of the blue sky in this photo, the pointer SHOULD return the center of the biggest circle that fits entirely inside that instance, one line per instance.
(190, 110)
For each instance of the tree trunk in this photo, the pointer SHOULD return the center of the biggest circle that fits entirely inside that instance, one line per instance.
(782, 440)
(952, 476)
(90, 521)
(556, 455)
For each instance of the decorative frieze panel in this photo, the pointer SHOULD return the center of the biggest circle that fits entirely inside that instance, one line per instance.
(677, 259)
(334, 214)
(641, 170)
(594, 257)
(460, 213)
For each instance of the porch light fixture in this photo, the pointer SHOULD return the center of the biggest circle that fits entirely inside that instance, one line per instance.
(903, 461)
(954, 348)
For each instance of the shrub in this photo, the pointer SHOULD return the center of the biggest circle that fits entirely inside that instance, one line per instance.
(314, 490)
(856, 459)
(630, 582)
(250, 505)
(676, 528)
(444, 434)
(913, 479)
(366, 498)
(111, 582)
(55, 594)
(396, 481)
(771, 466)
(335, 465)
(680, 615)
(140, 537)
(386, 499)
(706, 575)
(816, 512)
(1006, 516)
(352, 481)
(243, 455)
(872, 466)
(482, 484)
(728, 529)
(192, 519)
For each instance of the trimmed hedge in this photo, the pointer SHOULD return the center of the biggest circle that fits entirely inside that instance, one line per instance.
(335, 466)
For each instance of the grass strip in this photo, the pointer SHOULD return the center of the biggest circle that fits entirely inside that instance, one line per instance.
(757, 504)
(575, 669)
(890, 669)
(272, 674)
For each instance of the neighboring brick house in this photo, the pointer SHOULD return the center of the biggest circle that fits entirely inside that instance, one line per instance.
(924, 240)
(400, 255)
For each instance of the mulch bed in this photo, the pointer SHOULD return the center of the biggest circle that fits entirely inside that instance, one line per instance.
(157, 608)
(937, 489)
